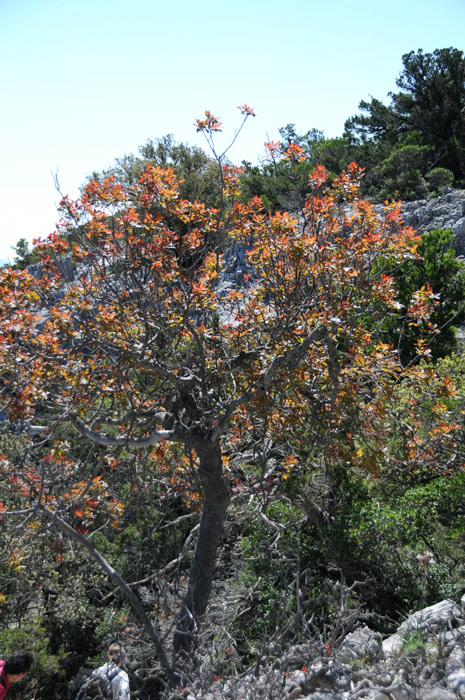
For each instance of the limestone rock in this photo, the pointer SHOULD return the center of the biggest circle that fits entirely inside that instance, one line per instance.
(437, 693)
(456, 682)
(442, 616)
(361, 644)
(446, 211)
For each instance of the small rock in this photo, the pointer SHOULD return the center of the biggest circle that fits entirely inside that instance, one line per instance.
(325, 696)
(437, 693)
(456, 660)
(456, 681)
(361, 644)
(392, 645)
(401, 691)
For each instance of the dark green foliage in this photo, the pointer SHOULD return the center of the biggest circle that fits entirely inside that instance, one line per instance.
(285, 185)
(280, 185)
(431, 103)
(427, 113)
(403, 172)
(49, 670)
(24, 256)
(398, 550)
(199, 174)
(379, 123)
(335, 154)
(412, 148)
(438, 180)
(440, 268)
(274, 559)
(410, 545)
(308, 141)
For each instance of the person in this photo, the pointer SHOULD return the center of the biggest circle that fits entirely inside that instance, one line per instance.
(13, 669)
(111, 671)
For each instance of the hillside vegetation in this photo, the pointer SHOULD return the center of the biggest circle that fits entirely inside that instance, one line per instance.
(411, 148)
(240, 425)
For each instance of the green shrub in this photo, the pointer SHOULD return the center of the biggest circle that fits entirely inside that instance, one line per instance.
(407, 546)
(31, 635)
(438, 179)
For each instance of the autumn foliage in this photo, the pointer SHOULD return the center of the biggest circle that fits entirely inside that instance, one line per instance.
(147, 348)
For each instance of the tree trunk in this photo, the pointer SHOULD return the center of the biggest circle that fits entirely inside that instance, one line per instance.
(216, 501)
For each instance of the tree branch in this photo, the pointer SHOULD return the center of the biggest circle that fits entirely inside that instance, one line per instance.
(107, 440)
(120, 582)
(290, 359)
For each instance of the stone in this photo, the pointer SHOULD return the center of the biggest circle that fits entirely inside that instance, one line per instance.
(446, 211)
(456, 660)
(439, 618)
(422, 623)
(437, 693)
(400, 690)
(393, 644)
(456, 681)
(324, 696)
(433, 618)
(440, 212)
(361, 644)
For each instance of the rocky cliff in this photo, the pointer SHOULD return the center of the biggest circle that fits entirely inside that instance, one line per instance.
(446, 211)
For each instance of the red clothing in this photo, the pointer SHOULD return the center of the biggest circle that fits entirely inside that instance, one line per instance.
(4, 682)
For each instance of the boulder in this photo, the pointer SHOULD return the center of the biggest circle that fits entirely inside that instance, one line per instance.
(361, 644)
(442, 616)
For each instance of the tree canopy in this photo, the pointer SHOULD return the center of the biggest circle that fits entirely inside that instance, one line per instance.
(154, 368)
(426, 113)
(410, 148)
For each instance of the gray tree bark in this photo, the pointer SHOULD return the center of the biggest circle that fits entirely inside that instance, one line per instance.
(216, 501)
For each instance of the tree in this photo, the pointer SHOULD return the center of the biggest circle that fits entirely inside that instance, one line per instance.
(147, 347)
(428, 111)
(197, 172)
(380, 124)
(24, 256)
(431, 103)
(282, 180)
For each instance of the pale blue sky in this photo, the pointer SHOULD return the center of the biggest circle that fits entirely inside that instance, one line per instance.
(83, 82)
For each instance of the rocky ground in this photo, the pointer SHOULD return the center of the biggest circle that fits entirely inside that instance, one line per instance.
(423, 660)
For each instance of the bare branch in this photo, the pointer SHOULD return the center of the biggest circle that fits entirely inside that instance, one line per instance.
(107, 440)
(121, 583)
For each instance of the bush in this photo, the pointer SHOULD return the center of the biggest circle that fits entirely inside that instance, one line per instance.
(48, 669)
(439, 267)
(438, 179)
(407, 546)
(401, 174)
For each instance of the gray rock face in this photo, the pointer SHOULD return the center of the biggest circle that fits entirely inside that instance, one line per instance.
(65, 265)
(446, 211)
(361, 644)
